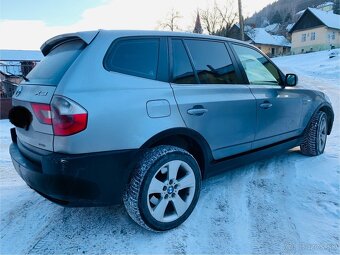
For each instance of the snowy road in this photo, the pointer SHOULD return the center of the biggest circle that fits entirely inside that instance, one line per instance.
(286, 204)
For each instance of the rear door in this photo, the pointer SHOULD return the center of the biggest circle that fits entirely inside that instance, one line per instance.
(210, 95)
(36, 93)
(278, 108)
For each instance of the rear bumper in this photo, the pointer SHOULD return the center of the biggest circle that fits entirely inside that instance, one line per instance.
(77, 180)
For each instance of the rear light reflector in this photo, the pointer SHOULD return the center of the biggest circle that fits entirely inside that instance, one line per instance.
(43, 113)
(68, 117)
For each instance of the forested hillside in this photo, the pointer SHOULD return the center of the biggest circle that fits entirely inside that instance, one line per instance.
(282, 11)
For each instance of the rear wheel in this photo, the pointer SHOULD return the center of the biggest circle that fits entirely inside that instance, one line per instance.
(164, 189)
(314, 140)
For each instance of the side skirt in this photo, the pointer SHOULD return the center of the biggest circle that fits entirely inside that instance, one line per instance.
(217, 167)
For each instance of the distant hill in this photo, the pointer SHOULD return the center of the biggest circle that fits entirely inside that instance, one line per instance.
(281, 11)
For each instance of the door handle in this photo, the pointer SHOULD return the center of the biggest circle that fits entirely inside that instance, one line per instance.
(197, 110)
(266, 105)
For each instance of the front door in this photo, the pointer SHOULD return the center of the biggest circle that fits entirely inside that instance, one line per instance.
(210, 97)
(278, 109)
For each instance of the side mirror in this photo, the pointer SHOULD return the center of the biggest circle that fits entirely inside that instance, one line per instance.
(291, 80)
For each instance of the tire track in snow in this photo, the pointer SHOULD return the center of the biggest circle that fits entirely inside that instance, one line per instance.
(272, 228)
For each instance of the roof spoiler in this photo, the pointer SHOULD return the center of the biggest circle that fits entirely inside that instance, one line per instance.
(87, 37)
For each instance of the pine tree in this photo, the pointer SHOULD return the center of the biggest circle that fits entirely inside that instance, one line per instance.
(198, 27)
(288, 18)
(276, 18)
(336, 7)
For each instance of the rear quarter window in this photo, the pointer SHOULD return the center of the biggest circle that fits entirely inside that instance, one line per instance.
(52, 68)
(137, 57)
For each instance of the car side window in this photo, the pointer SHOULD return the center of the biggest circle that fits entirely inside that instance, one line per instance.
(212, 62)
(138, 57)
(182, 69)
(259, 70)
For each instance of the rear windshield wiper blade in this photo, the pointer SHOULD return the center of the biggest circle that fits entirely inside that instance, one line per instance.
(19, 75)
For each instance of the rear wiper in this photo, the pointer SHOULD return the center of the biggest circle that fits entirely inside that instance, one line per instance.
(19, 75)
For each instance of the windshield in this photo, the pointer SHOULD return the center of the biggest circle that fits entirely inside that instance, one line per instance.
(52, 68)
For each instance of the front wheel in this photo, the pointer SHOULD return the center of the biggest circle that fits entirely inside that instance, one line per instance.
(315, 137)
(164, 188)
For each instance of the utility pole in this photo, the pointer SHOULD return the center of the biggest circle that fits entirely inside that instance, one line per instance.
(241, 19)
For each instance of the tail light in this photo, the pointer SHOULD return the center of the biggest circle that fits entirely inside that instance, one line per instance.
(66, 116)
(43, 113)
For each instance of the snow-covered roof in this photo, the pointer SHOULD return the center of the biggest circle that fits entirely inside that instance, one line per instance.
(261, 36)
(300, 12)
(272, 28)
(289, 26)
(330, 19)
(325, 4)
(10, 70)
(283, 41)
(20, 55)
(246, 27)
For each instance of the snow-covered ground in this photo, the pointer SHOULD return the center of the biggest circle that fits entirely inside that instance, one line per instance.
(286, 204)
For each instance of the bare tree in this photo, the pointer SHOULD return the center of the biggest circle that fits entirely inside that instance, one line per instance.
(218, 20)
(210, 19)
(170, 22)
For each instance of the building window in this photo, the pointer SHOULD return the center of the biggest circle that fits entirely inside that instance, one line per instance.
(303, 38)
(313, 36)
(331, 36)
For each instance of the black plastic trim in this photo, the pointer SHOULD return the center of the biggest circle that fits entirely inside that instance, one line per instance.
(77, 180)
(245, 158)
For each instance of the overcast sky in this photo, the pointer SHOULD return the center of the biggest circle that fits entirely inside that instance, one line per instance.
(27, 24)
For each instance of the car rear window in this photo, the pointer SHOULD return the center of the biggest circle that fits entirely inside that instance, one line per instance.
(52, 68)
(138, 57)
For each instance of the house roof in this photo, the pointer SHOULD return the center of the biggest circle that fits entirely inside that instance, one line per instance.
(20, 55)
(272, 28)
(289, 26)
(261, 36)
(246, 27)
(329, 19)
(283, 41)
(325, 4)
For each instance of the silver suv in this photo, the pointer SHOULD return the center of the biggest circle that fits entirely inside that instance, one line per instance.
(143, 116)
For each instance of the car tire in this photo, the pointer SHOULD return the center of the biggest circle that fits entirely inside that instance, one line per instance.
(315, 137)
(164, 188)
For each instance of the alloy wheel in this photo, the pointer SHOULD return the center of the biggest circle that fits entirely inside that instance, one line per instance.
(171, 191)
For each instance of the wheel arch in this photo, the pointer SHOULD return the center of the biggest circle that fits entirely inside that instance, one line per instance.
(187, 139)
(326, 108)
(330, 116)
